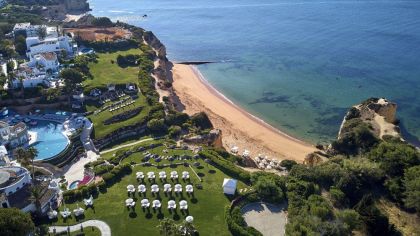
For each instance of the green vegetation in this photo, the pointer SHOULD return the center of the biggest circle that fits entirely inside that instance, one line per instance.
(206, 205)
(14, 222)
(106, 71)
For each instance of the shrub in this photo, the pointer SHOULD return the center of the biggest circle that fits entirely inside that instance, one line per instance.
(102, 169)
(201, 120)
(237, 225)
(288, 164)
(227, 167)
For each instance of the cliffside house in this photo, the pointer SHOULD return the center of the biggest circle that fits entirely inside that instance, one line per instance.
(50, 44)
(47, 61)
(26, 29)
(13, 135)
(15, 190)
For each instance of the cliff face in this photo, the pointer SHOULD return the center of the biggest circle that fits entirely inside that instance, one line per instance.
(213, 138)
(379, 114)
(76, 5)
(155, 43)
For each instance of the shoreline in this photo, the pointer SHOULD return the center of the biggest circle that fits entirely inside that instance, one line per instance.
(239, 127)
(219, 94)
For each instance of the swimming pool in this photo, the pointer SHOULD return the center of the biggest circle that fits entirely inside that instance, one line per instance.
(74, 185)
(50, 139)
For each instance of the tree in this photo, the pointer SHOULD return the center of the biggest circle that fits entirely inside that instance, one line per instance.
(42, 32)
(187, 229)
(36, 195)
(13, 222)
(174, 131)
(32, 154)
(268, 190)
(412, 185)
(71, 78)
(156, 125)
(312, 159)
(167, 227)
(20, 45)
(201, 120)
(350, 218)
(22, 157)
(288, 164)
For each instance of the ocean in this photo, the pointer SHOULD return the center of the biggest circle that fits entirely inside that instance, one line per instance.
(298, 65)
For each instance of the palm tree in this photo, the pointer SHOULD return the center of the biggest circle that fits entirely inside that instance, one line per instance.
(22, 157)
(167, 227)
(36, 195)
(32, 154)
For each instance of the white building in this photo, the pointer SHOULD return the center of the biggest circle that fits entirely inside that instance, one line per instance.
(46, 61)
(15, 190)
(13, 136)
(229, 186)
(26, 29)
(50, 44)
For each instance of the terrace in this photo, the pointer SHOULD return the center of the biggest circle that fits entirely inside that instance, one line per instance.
(205, 201)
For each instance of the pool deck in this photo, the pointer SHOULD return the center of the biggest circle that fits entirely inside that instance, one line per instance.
(75, 171)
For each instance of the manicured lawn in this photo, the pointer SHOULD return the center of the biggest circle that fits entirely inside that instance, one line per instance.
(88, 231)
(102, 130)
(206, 205)
(105, 72)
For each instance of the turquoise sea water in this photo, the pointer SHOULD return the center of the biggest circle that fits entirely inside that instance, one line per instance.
(298, 65)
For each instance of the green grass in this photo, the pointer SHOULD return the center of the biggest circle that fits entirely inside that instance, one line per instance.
(104, 72)
(207, 205)
(102, 130)
(88, 231)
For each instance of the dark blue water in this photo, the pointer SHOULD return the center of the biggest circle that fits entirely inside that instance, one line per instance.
(298, 65)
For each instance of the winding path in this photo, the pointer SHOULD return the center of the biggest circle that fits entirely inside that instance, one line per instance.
(102, 226)
(128, 145)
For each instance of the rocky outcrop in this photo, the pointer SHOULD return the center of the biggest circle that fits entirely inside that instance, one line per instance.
(155, 43)
(213, 138)
(76, 5)
(378, 113)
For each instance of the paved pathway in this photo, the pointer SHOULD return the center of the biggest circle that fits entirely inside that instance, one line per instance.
(128, 145)
(102, 226)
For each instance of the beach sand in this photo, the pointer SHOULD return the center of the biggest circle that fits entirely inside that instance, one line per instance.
(239, 128)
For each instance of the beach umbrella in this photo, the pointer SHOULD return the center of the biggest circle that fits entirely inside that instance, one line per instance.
(189, 219)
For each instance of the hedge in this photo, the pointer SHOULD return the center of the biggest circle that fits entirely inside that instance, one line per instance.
(226, 166)
(116, 174)
(82, 192)
(102, 169)
(237, 225)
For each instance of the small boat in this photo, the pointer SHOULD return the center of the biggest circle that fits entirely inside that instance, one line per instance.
(27, 120)
(145, 15)
(33, 123)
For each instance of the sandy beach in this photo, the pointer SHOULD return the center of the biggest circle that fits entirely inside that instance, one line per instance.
(239, 128)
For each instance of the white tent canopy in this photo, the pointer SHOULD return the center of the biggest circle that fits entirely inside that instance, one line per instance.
(229, 186)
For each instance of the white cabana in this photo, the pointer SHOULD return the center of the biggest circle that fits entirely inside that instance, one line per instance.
(185, 175)
(234, 149)
(229, 186)
(139, 175)
(246, 153)
(145, 203)
(151, 175)
(78, 211)
(178, 188)
(89, 201)
(171, 204)
(131, 188)
(156, 204)
(167, 188)
(189, 188)
(189, 219)
(129, 202)
(66, 213)
(142, 188)
(52, 214)
(162, 175)
(155, 188)
(183, 205)
(174, 175)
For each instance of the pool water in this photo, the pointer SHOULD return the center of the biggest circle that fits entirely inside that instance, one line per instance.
(50, 139)
(74, 185)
